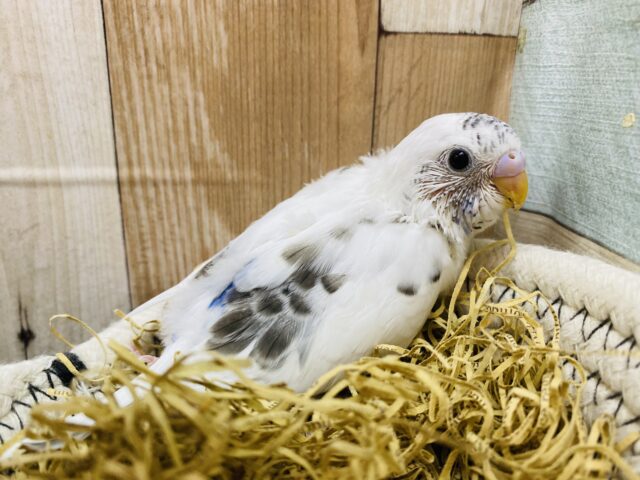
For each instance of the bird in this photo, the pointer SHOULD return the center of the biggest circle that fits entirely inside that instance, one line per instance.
(354, 259)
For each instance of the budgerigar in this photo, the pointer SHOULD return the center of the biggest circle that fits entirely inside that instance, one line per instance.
(354, 259)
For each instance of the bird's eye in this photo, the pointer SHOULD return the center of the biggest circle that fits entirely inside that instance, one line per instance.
(459, 160)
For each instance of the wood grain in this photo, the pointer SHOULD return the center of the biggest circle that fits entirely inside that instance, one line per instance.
(224, 108)
(421, 75)
(494, 17)
(536, 229)
(61, 237)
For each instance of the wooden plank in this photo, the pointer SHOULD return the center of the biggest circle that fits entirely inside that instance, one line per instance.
(61, 238)
(537, 229)
(224, 108)
(421, 75)
(493, 17)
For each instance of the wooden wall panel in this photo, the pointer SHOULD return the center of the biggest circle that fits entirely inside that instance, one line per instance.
(421, 75)
(494, 17)
(224, 108)
(61, 241)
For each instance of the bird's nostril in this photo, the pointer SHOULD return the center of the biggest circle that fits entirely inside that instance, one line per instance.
(510, 164)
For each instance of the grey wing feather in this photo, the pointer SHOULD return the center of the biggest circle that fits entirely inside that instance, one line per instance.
(268, 320)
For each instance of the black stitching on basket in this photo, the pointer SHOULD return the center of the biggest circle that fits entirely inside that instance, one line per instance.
(538, 299)
(48, 373)
(13, 409)
(19, 402)
(583, 311)
(595, 390)
(615, 414)
(629, 422)
(33, 389)
(625, 340)
(584, 320)
(619, 396)
(633, 344)
(549, 306)
(33, 395)
(602, 324)
(606, 337)
(502, 294)
(595, 374)
(8, 427)
(579, 312)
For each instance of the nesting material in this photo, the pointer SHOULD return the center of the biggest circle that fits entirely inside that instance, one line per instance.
(479, 394)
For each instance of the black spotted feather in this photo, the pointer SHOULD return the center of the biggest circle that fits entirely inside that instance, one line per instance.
(267, 321)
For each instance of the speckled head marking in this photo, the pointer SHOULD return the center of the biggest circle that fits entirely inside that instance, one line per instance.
(455, 156)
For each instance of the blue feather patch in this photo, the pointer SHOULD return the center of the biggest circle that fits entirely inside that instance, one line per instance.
(220, 300)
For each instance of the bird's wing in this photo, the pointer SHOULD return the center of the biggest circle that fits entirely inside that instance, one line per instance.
(289, 218)
(330, 293)
(335, 194)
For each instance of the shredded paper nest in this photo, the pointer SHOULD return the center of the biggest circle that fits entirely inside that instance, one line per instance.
(479, 394)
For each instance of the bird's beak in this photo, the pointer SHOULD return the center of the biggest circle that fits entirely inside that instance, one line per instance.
(510, 178)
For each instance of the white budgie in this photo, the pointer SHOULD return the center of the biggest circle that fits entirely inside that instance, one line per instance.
(352, 260)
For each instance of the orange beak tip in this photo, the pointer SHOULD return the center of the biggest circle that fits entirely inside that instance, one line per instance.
(514, 189)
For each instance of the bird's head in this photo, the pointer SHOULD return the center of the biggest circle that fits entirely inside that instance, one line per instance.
(468, 167)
